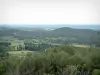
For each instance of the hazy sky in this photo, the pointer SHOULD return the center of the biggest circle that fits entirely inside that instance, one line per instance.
(50, 11)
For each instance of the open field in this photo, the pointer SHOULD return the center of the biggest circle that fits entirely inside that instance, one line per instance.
(20, 53)
(77, 45)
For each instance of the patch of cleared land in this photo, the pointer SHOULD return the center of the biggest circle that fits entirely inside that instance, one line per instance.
(77, 45)
(20, 53)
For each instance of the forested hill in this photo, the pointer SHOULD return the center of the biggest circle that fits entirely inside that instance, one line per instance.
(81, 36)
(66, 31)
(62, 31)
(86, 36)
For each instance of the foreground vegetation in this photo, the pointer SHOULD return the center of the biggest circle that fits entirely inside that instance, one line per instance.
(61, 60)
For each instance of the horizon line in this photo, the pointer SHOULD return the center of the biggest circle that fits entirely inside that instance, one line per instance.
(49, 24)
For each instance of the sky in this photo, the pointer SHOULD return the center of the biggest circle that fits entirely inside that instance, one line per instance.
(42, 12)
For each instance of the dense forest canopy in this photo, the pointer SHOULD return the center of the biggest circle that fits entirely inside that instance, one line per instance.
(58, 60)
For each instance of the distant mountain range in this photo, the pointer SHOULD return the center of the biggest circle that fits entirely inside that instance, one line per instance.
(48, 32)
(52, 27)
